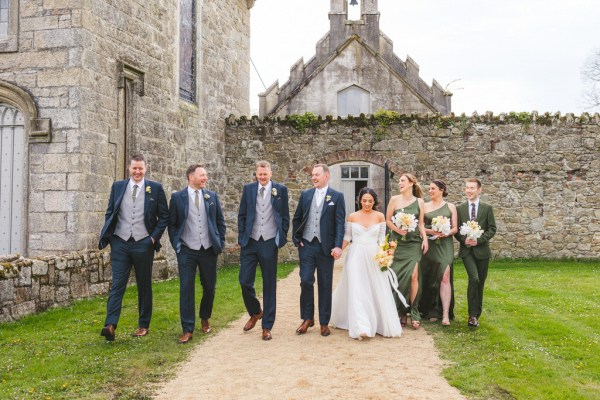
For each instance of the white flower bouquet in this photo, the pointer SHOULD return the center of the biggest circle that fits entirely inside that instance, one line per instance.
(471, 230)
(405, 221)
(440, 224)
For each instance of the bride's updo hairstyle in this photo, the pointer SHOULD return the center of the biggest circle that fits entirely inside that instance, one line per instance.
(367, 190)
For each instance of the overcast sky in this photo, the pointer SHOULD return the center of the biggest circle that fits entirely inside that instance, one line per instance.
(509, 55)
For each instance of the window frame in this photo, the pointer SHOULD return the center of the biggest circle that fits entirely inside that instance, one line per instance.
(10, 42)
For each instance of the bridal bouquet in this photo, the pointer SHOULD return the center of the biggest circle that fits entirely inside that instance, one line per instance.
(440, 224)
(385, 255)
(471, 230)
(405, 221)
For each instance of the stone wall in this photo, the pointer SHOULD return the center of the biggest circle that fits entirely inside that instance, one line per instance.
(540, 172)
(72, 59)
(32, 285)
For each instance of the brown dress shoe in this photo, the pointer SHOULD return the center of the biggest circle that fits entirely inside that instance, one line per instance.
(325, 330)
(307, 323)
(108, 332)
(186, 337)
(139, 332)
(205, 326)
(252, 321)
(266, 335)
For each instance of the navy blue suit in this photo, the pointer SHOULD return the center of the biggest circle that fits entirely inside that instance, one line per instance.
(261, 252)
(317, 256)
(140, 255)
(189, 260)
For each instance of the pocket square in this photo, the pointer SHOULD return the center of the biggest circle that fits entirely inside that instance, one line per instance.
(330, 203)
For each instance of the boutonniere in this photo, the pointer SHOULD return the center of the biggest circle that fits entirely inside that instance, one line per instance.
(328, 198)
(206, 196)
(274, 192)
(148, 190)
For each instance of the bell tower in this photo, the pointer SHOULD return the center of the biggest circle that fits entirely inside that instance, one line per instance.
(341, 28)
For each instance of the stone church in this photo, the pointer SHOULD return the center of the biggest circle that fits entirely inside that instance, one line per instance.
(84, 84)
(354, 71)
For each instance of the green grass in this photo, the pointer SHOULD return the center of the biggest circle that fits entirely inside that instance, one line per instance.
(60, 354)
(539, 336)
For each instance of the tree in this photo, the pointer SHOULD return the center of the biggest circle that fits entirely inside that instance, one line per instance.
(591, 78)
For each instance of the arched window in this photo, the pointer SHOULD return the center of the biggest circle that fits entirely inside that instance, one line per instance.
(12, 165)
(353, 100)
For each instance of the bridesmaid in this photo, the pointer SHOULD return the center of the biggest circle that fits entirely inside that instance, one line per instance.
(410, 249)
(437, 299)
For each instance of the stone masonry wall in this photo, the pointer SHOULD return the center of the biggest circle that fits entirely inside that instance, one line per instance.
(540, 172)
(69, 59)
(32, 285)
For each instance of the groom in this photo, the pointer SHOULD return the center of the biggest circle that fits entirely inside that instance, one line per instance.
(318, 232)
(475, 253)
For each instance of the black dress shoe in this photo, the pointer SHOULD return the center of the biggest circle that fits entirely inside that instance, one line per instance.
(473, 323)
(108, 331)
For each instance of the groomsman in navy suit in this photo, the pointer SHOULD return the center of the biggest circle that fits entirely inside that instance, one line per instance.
(135, 220)
(318, 232)
(263, 223)
(197, 233)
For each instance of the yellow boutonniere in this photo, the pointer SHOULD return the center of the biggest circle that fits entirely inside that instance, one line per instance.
(327, 198)
(148, 189)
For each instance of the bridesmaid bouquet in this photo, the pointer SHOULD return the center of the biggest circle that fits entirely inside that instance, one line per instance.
(471, 230)
(385, 255)
(440, 224)
(405, 221)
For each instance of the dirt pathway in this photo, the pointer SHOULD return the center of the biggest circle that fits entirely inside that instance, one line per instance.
(239, 365)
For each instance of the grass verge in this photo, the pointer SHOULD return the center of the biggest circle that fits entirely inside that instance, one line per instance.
(539, 336)
(60, 354)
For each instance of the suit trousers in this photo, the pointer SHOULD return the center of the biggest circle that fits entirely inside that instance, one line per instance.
(188, 261)
(477, 270)
(263, 253)
(312, 258)
(124, 255)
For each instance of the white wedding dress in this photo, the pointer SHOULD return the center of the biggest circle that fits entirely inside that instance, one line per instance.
(363, 302)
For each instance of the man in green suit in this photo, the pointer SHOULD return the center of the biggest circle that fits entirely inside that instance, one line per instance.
(475, 253)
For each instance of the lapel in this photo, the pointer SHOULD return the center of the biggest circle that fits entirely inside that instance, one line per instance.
(273, 197)
(480, 211)
(253, 194)
(122, 189)
(146, 195)
(308, 202)
(324, 206)
(206, 203)
(185, 200)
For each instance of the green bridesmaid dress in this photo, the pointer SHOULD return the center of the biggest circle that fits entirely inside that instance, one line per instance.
(407, 254)
(433, 264)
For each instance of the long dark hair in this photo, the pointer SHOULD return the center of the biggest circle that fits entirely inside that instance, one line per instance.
(367, 190)
(441, 185)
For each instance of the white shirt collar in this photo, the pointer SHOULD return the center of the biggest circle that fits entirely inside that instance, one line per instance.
(476, 202)
(323, 190)
(267, 186)
(192, 191)
(140, 184)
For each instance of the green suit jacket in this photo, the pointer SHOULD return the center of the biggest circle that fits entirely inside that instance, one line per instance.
(485, 219)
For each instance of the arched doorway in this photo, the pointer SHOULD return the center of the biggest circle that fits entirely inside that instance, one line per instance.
(12, 166)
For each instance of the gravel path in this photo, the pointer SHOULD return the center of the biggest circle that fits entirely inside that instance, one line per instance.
(234, 364)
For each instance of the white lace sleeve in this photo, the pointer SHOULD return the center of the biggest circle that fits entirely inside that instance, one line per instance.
(381, 232)
(348, 232)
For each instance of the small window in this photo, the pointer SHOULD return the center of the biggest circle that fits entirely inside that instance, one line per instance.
(9, 21)
(353, 101)
(355, 172)
(187, 50)
(3, 18)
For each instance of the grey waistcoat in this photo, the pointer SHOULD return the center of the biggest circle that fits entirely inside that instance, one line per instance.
(195, 232)
(131, 216)
(313, 225)
(264, 220)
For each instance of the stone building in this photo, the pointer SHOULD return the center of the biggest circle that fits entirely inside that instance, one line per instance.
(84, 84)
(354, 71)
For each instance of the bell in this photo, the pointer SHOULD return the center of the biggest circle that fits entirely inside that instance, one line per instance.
(353, 3)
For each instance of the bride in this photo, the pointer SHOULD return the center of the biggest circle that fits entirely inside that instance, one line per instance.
(363, 302)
